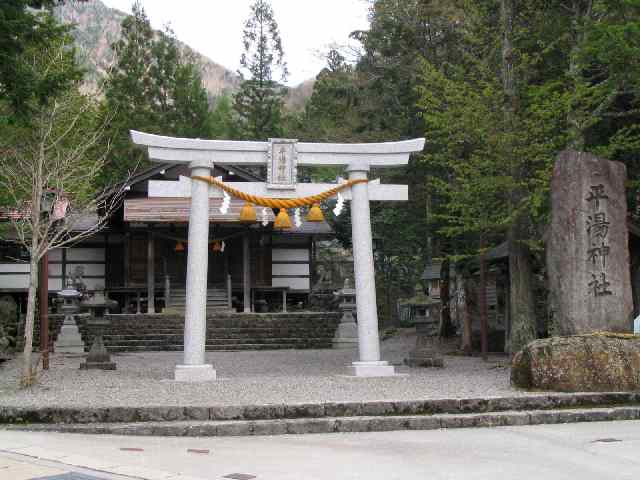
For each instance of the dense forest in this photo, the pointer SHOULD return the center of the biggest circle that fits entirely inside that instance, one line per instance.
(497, 87)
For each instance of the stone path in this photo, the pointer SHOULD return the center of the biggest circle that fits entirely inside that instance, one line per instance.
(586, 451)
(23, 464)
(262, 377)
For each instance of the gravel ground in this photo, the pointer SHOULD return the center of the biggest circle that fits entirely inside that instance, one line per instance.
(259, 377)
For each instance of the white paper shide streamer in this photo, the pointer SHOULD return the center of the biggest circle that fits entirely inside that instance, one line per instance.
(339, 205)
(297, 219)
(265, 217)
(226, 201)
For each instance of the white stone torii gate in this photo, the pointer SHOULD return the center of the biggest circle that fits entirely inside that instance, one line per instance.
(281, 158)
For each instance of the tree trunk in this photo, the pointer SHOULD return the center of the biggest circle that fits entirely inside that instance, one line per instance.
(27, 371)
(507, 11)
(522, 299)
(445, 316)
(482, 303)
(582, 10)
(520, 272)
(467, 331)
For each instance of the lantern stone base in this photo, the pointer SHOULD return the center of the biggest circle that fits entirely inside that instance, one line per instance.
(194, 373)
(371, 369)
(424, 359)
(97, 366)
(346, 336)
(98, 358)
(426, 352)
(69, 339)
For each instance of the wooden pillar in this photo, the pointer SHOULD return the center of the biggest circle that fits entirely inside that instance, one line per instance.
(125, 257)
(467, 328)
(64, 267)
(151, 274)
(484, 320)
(246, 272)
(107, 262)
(227, 278)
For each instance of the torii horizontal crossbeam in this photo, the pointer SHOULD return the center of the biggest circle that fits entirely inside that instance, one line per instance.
(182, 189)
(228, 152)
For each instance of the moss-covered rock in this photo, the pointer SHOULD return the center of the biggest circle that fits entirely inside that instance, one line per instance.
(583, 363)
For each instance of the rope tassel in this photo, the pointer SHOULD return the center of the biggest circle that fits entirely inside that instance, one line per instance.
(248, 214)
(283, 222)
(315, 214)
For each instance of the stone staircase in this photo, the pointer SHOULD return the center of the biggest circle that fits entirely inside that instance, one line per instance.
(217, 300)
(225, 331)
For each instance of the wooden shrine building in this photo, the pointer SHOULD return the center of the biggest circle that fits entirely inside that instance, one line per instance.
(139, 259)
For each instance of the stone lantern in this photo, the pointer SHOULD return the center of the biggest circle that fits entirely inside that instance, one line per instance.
(98, 358)
(427, 319)
(347, 333)
(69, 340)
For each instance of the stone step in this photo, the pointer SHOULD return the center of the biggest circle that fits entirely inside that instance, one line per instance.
(115, 340)
(115, 330)
(218, 348)
(225, 332)
(219, 331)
(372, 408)
(216, 329)
(343, 424)
(215, 341)
(223, 318)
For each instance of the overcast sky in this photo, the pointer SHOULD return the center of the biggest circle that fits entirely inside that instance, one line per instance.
(214, 27)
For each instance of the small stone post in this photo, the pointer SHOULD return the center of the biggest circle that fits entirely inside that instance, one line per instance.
(370, 364)
(195, 323)
(427, 319)
(69, 340)
(346, 335)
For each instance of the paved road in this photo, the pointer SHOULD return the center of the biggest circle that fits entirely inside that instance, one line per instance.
(599, 451)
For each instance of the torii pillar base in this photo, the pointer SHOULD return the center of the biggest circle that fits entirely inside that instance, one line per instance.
(195, 373)
(371, 369)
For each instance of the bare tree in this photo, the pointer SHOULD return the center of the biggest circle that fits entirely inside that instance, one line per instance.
(50, 173)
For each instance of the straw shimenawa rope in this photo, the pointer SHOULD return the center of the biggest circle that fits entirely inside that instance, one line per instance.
(279, 202)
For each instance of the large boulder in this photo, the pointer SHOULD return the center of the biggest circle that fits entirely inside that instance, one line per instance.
(582, 363)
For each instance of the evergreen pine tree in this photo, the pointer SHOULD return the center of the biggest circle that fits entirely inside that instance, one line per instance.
(259, 101)
(153, 87)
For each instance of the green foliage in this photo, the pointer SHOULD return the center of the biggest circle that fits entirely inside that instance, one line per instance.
(575, 65)
(153, 87)
(224, 123)
(23, 33)
(259, 101)
(332, 114)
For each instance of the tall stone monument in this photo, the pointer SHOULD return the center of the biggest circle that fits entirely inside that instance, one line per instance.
(588, 249)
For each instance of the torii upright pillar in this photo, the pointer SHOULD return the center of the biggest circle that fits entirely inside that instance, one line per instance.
(282, 158)
(194, 367)
(370, 363)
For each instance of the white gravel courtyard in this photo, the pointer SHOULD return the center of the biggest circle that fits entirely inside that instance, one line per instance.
(254, 377)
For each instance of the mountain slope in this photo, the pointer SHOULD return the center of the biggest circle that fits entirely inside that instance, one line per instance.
(98, 26)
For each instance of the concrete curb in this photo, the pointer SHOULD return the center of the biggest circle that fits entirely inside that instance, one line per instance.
(342, 424)
(53, 415)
